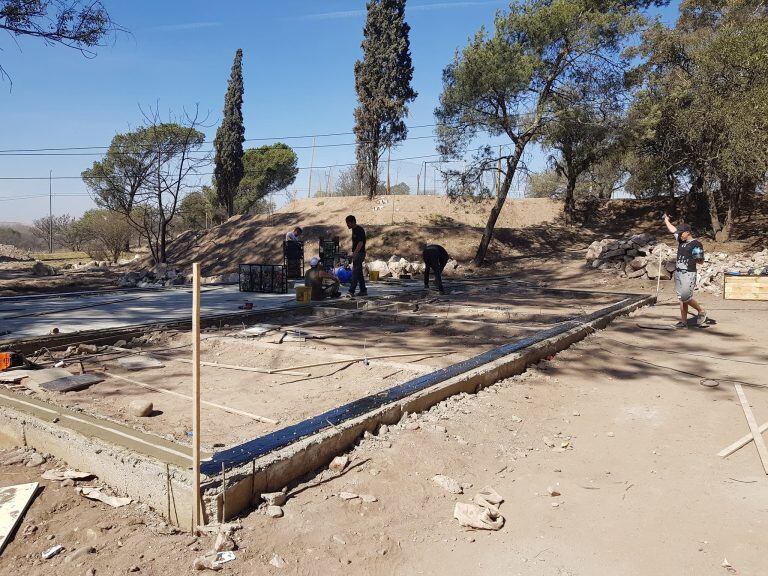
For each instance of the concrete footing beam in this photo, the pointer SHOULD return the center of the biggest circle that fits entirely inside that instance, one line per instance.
(278, 469)
(166, 487)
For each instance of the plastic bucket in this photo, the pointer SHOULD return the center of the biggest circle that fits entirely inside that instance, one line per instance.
(374, 275)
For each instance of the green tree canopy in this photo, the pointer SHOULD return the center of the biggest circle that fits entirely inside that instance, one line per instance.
(228, 162)
(383, 84)
(115, 180)
(702, 114)
(503, 84)
(268, 169)
(78, 24)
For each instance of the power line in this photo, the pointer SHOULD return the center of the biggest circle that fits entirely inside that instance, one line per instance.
(26, 178)
(339, 145)
(263, 139)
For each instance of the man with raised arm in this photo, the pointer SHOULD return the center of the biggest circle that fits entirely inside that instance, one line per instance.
(690, 252)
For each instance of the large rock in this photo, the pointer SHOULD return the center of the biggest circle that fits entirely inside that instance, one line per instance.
(140, 408)
(42, 269)
(635, 273)
(638, 263)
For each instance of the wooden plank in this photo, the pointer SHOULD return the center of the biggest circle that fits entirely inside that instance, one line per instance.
(72, 383)
(740, 443)
(745, 287)
(197, 500)
(756, 435)
(14, 501)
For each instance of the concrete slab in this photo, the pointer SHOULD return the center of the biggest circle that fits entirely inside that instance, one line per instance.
(25, 318)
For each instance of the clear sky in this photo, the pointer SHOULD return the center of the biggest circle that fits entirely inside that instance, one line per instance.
(298, 72)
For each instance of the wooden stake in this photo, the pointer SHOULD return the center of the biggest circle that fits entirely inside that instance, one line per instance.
(740, 443)
(759, 442)
(196, 506)
(658, 278)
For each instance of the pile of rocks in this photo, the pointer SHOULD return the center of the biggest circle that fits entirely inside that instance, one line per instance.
(43, 269)
(642, 256)
(398, 267)
(159, 276)
(10, 253)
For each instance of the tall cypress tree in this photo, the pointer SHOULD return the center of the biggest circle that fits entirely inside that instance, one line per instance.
(383, 83)
(228, 170)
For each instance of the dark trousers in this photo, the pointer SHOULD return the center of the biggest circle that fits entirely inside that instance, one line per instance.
(433, 263)
(357, 275)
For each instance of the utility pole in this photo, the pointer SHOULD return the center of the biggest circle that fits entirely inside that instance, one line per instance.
(425, 177)
(311, 166)
(389, 155)
(418, 177)
(50, 211)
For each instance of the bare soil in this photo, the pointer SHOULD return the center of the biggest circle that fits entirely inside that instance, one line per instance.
(635, 435)
(453, 328)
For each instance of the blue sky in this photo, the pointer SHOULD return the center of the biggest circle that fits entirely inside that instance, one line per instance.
(298, 71)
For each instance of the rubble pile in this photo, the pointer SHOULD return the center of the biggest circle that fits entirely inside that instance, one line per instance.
(642, 256)
(397, 267)
(159, 276)
(10, 253)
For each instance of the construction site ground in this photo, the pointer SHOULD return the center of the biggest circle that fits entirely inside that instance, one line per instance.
(618, 424)
(403, 340)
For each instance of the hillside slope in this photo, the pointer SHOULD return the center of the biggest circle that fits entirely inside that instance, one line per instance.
(395, 225)
(400, 225)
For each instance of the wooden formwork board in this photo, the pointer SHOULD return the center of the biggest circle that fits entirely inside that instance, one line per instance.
(745, 287)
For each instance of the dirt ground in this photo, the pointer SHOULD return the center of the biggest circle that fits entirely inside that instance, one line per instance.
(418, 342)
(619, 425)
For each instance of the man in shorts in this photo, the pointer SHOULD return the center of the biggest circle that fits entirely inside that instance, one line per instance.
(689, 253)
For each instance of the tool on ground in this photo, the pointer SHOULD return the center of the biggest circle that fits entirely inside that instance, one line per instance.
(13, 361)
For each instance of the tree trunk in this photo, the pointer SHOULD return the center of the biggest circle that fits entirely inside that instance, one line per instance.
(714, 219)
(373, 174)
(570, 202)
(501, 197)
(734, 203)
(163, 240)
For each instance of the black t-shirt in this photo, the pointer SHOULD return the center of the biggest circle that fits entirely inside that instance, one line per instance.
(688, 253)
(437, 253)
(358, 235)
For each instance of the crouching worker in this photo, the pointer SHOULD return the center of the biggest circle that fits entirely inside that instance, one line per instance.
(323, 284)
(435, 258)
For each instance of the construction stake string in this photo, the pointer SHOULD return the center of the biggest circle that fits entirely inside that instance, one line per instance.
(179, 395)
(353, 360)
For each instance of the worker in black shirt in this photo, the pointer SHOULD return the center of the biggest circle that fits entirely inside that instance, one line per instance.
(689, 253)
(358, 256)
(435, 258)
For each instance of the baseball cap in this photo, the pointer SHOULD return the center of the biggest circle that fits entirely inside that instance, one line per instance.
(314, 261)
(683, 228)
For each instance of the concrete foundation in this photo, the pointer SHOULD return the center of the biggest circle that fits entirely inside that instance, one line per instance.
(162, 480)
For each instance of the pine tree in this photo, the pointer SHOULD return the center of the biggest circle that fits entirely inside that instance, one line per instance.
(383, 83)
(228, 170)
